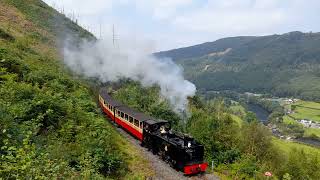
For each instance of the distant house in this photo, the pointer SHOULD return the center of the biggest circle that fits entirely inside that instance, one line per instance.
(288, 111)
(252, 94)
(290, 101)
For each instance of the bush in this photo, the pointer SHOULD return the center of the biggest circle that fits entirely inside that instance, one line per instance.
(6, 36)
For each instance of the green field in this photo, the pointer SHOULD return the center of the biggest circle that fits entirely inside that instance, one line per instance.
(287, 146)
(309, 104)
(307, 110)
(311, 132)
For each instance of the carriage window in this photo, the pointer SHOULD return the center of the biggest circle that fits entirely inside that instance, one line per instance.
(131, 119)
(118, 112)
(136, 122)
(122, 114)
(111, 108)
(126, 116)
(141, 125)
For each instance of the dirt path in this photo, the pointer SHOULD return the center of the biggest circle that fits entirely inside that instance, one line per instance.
(162, 170)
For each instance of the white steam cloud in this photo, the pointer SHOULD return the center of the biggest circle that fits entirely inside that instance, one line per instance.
(102, 60)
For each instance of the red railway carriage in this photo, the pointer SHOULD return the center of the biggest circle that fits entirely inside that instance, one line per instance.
(181, 151)
(130, 120)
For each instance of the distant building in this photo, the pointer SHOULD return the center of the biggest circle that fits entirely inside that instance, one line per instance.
(252, 94)
(290, 101)
(309, 123)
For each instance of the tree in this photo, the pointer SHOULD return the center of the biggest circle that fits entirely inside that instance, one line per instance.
(256, 140)
(251, 117)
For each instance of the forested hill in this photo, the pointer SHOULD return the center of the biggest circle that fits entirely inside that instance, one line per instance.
(50, 125)
(284, 65)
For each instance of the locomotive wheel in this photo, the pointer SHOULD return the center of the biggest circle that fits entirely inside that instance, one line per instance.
(172, 163)
(162, 154)
(154, 152)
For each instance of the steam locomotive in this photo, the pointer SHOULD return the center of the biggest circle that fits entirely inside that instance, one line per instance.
(182, 152)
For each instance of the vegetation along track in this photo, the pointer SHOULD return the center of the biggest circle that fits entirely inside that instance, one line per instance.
(162, 170)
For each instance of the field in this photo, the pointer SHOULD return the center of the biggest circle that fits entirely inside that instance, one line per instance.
(306, 110)
(309, 104)
(287, 146)
(310, 132)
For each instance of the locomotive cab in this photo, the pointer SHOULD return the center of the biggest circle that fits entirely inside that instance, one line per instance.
(157, 126)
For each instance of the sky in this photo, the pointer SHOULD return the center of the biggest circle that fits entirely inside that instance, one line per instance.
(170, 24)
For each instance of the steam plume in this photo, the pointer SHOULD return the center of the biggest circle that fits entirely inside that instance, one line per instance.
(102, 60)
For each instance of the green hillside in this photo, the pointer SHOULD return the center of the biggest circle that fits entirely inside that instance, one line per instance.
(50, 125)
(285, 65)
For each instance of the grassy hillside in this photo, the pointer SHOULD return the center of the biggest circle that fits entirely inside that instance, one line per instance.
(285, 65)
(50, 125)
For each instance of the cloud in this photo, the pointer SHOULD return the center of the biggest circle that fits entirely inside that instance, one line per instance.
(232, 16)
(159, 9)
(162, 9)
(83, 7)
(247, 16)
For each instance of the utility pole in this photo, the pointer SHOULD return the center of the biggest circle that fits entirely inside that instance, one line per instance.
(100, 32)
(113, 35)
(73, 17)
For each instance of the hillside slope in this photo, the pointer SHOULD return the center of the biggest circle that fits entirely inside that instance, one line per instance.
(50, 126)
(284, 65)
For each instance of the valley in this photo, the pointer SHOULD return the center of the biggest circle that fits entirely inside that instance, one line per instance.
(298, 124)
